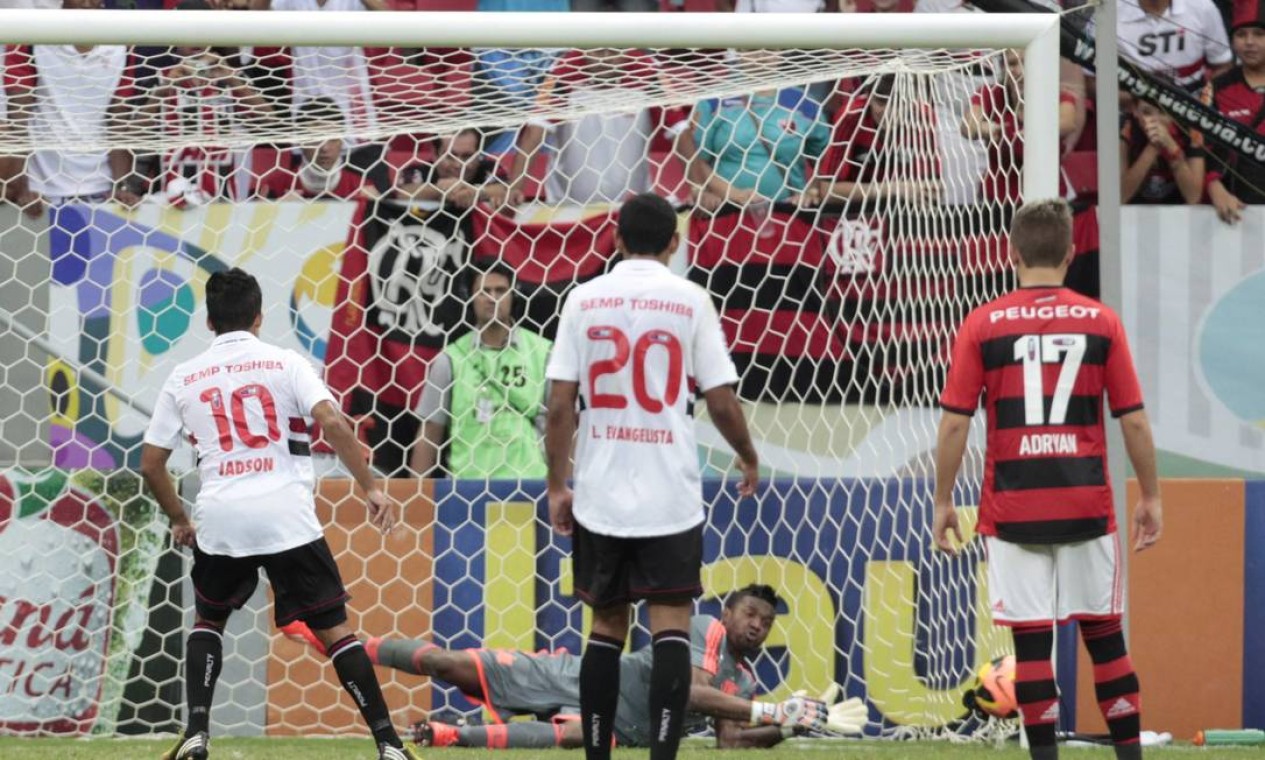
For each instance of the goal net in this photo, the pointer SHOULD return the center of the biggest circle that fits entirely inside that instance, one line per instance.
(844, 208)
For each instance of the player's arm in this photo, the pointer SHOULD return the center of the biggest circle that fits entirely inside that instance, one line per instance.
(726, 414)
(343, 439)
(1148, 521)
(560, 423)
(1124, 395)
(161, 438)
(731, 714)
(959, 400)
(950, 446)
(716, 376)
(154, 471)
(732, 734)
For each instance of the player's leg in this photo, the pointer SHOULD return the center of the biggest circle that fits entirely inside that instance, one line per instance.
(1091, 592)
(601, 580)
(307, 586)
(667, 574)
(564, 734)
(1021, 590)
(221, 584)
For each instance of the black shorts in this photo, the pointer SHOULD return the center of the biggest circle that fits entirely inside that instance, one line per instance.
(305, 585)
(610, 570)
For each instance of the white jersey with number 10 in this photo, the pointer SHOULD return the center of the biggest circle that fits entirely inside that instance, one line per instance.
(640, 342)
(246, 405)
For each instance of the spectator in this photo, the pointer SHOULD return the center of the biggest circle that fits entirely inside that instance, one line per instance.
(752, 148)
(75, 95)
(600, 157)
(201, 97)
(1183, 39)
(1233, 180)
(322, 172)
(996, 118)
(510, 78)
(1159, 163)
(338, 73)
(485, 393)
(862, 164)
(460, 176)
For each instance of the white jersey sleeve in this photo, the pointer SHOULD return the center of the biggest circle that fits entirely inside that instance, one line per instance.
(309, 389)
(165, 424)
(712, 365)
(1216, 42)
(564, 360)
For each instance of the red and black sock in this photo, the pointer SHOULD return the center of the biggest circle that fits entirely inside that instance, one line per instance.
(203, 657)
(1035, 689)
(355, 673)
(599, 694)
(1115, 685)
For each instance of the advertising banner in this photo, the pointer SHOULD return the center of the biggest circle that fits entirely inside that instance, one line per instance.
(77, 558)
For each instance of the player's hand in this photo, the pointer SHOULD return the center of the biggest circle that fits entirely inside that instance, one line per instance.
(1148, 523)
(801, 713)
(183, 533)
(750, 477)
(381, 510)
(560, 516)
(945, 520)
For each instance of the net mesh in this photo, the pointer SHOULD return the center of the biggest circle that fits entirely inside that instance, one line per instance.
(844, 209)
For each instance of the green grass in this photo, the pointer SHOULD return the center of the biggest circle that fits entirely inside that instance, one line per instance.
(343, 749)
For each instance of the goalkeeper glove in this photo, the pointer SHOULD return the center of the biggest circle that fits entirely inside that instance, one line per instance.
(847, 717)
(795, 713)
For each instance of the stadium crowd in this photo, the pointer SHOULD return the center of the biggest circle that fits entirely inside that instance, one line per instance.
(1213, 47)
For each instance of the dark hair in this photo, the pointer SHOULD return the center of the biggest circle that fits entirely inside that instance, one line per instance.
(233, 300)
(479, 271)
(759, 591)
(883, 87)
(318, 111)
(646, 225)
(1041, 232)
(475, 131)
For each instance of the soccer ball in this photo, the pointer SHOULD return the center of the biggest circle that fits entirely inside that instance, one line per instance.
(993, 693)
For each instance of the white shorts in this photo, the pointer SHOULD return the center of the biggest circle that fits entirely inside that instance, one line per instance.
(1042, 583)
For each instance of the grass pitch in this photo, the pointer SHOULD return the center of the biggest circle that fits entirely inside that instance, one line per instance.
(344, 749)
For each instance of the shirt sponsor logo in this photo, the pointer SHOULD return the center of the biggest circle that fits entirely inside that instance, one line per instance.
(1061, 311)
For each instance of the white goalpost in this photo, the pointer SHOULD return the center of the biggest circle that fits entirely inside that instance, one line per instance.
(844, 182)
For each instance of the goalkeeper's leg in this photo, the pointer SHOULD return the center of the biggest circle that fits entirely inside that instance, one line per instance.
(565, 734)
(1115, 684)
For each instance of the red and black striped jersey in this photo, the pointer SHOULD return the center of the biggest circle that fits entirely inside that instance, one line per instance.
(1043, 357)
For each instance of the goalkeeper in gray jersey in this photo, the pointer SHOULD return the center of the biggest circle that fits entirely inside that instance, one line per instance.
(547, 685)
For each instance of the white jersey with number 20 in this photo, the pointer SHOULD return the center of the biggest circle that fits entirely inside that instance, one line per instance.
(640, 342)
(247, 406)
